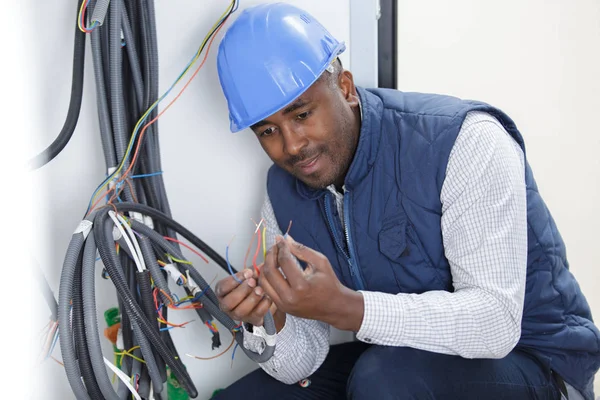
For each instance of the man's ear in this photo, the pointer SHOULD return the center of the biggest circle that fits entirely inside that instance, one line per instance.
(346, 85)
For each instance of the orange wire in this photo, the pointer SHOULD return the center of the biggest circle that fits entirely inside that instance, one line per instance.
(218, 355)
(186, 246)
(171, 103)
(158, 116)
(256, 254)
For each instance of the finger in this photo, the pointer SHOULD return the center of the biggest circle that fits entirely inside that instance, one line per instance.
(236, 296)
(304, 253)
(288, 264)
(244, 309)
(270, 272)
(271, 293)
(226, 285)
(257, 316)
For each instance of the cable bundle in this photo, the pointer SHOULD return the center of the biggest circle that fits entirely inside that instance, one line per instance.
(133, 232)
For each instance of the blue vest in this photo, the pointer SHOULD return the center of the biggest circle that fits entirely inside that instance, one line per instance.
(392, 239)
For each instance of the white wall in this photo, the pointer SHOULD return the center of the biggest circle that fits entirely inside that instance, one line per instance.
(215, 180)
(538, 60)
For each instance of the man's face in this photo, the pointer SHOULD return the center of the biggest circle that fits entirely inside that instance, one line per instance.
(314, 138)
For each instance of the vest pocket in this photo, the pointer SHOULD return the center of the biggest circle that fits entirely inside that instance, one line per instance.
(392, 239)
(408, 260)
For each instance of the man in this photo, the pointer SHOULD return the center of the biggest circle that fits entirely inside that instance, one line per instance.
(418, 226)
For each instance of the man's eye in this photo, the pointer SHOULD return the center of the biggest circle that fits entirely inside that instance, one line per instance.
(267, 132)
(303, 116)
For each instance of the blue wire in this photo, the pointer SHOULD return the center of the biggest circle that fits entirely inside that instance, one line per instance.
(229, 266)
(146, 175)
(134, 135)
(233, 354)
(54, 341)
(167, 328)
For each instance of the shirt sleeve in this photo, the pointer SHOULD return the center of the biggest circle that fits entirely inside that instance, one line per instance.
(484, 228)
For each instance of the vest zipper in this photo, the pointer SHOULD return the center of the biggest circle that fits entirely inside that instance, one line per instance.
(350, 258)
(358, 279)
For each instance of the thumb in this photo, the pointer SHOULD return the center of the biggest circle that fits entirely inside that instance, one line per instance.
(312, 257)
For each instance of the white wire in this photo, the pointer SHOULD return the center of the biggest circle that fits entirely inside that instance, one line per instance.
(123, 377)
(134, 240)
(126, 237)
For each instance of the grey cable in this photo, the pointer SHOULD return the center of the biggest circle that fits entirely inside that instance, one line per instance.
(120, 133)
(116, 84)
(99, 12)
(103, 114)
(148, 357)
(91, 320)
(152, 264)
(212, 303)
(67, 346)
(136, 72)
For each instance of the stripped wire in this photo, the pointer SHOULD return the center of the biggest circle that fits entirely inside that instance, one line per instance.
(81, 19)
(213, 357)
(238, 280)
(210, 36)
(170, 239)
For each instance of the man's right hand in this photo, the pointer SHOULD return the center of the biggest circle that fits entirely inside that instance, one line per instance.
(244, 301)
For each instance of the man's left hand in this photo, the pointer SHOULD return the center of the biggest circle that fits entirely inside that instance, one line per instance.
(315, 293)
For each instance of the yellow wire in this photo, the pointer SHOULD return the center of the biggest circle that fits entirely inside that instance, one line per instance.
(264, 242)
(127, 353)
(178, 260)
(79, 17)
(143, 117)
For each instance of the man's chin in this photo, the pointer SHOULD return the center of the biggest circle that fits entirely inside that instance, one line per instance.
(314, 182)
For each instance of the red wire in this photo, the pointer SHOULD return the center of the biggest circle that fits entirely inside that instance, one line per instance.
(256, 254)
(171, 103)
(186, 246)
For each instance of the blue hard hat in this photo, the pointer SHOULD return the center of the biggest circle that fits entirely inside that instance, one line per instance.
(268, 57)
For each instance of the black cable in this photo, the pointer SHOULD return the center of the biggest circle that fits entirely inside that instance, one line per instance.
(103, 234)
(169, 222)
(74, 105)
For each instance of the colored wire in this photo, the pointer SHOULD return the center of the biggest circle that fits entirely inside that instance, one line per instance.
(288, 229)
(177, 260)
(187, 247)
(238, 280)
(123, 377)
(264, 233)
(258, 235)
(213, 357)
(211, 35)
(233, 354)
(81, 19)
(146, 175)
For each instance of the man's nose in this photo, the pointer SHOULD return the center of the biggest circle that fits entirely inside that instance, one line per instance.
(293, 142)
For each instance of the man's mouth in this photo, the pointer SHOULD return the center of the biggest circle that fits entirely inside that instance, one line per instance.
(309, 166)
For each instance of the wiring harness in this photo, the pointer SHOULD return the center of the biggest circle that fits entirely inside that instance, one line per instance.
(128, 224)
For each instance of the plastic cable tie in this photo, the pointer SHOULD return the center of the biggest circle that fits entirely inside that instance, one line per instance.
(116, 233)
(192, 285)
(84, 227)
(173, 272)
(148, 221)
(137, 216)
(120, 344)
(270, 340)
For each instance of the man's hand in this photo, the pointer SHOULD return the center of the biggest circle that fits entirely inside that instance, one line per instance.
(243, 301)
(315, 293)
